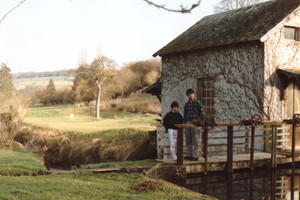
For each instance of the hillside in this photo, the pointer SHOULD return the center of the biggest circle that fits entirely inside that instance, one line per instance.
(40, 82)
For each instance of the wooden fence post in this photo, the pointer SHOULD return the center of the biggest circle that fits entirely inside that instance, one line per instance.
(205, 137)
(247, 139)
(274, 147)
(251, 185)
(180, 147)
(293, 144)
(252, 147)
(229, 149)
(229, 186)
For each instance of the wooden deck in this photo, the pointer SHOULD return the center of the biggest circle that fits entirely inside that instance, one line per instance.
(236, 145)
(242, 161)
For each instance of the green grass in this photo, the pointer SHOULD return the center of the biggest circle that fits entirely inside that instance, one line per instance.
(20, 163)
(125, 164)
(86, 186)
(40, 82)
(112, 125)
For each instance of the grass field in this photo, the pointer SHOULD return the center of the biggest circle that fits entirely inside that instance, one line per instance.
(40, 82)
(20, 163)
(90, 186)
(84, 126)
(17, 182)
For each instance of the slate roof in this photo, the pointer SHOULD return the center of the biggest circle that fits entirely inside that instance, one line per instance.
(239, 25)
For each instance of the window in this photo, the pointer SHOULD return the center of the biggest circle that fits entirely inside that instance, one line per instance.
(206, 94)
(292, 33)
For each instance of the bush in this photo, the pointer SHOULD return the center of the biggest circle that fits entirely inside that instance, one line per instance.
(11, 114)
(152, 107)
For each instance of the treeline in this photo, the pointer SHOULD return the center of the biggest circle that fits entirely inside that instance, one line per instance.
(63, 72)
(127, 80)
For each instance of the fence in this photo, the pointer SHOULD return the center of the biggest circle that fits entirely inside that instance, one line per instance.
(239, 138)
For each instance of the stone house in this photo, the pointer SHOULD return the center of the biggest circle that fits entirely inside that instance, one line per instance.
(240, 62)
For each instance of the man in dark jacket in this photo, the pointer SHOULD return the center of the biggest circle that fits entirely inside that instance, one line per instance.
(171, 118)
(193, 111)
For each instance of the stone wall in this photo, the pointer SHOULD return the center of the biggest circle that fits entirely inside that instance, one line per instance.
(238, 73)
(279, 52)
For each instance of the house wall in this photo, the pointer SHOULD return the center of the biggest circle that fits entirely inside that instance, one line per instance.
(238, 73)
(279, 52)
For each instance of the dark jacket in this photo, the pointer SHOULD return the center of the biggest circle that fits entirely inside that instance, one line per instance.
(193, 111)
(172, 118)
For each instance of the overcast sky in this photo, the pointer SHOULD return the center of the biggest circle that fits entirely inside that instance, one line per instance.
(48, 35)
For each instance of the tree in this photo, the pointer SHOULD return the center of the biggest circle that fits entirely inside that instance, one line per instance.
(226, 5)
(4, 16)
(184, 8)
(6, 80)
(101, 70)
(50, 93)
(83, 89)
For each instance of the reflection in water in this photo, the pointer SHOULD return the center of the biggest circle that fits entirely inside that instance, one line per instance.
(264, 184)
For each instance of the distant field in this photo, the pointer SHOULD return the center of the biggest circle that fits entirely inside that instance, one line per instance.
(113, 124)
(40, 82)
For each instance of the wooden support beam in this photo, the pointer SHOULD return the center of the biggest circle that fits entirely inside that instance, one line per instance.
(241, 123)
(229, 149)
(293, 182)
(293, 143)
(180, 146)
(273, 184)
(274, 147)
(251, 185)
(205, 150)
(229, 185)
(252, 147)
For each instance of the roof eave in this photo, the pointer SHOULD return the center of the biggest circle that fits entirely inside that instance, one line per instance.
(271, 32)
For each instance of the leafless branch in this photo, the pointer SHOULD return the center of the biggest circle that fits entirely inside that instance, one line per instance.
(12, 10)
(183, 9)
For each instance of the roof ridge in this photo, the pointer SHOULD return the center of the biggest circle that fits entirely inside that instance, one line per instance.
(239, 25)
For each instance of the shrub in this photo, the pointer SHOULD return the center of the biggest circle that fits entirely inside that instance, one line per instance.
(151, 106)
(11, 114)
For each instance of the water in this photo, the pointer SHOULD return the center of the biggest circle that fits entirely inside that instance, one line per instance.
(281, 184)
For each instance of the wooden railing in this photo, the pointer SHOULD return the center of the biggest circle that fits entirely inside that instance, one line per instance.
(270, 135)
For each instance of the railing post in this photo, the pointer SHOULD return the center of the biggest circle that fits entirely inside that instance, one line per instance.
(247, 140)
(252, 147)
(251, 185)
(229, 186)
(273, 184)
(180, 147)
(274, 147)
(292, 183)
(229, 149)
(205, 143)
(293, 144)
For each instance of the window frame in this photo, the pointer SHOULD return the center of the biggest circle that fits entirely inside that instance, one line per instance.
(206, 94)
(294, 30)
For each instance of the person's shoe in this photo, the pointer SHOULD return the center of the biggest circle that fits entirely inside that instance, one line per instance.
(187, 158)
(194, 159)
(174, 157)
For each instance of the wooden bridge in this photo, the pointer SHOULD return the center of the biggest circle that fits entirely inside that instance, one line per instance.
(238, 145)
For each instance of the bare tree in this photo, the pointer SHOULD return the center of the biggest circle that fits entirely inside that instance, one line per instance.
(100, 71)
(4, 16)
(183, 8)
(225, 5)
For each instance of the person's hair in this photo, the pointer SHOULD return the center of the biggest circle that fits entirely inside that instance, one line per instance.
(189, 91)
(174, 104)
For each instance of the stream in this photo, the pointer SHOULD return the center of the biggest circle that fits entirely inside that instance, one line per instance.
(283, 184)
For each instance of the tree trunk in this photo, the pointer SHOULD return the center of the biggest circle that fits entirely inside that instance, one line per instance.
(98, 102)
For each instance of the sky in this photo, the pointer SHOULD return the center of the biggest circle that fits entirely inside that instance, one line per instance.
(49, 35)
